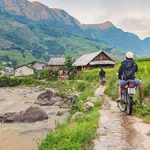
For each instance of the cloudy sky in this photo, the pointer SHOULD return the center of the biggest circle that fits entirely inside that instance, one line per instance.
(129, 15)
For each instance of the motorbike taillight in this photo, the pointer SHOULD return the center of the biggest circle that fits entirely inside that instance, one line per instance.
(131, 85)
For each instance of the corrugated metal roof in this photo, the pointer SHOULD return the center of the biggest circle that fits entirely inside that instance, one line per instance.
(58, 61)
(103, 62)
(85, 59)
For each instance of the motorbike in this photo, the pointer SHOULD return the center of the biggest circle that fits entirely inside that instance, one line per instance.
(102, 81)
(127, 99)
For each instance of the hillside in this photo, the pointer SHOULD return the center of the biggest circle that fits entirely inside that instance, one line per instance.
(31, 38)
(35, 30)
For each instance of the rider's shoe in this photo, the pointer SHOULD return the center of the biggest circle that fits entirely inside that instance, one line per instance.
(118, 100)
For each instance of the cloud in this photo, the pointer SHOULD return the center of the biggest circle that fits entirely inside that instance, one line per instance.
(130, 15)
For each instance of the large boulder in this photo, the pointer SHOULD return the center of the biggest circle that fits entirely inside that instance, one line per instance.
(45, 99)
(32, 114)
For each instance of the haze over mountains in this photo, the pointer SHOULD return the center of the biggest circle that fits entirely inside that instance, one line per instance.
(32, 28)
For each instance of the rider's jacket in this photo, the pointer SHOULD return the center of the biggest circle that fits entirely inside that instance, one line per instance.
(121, 70)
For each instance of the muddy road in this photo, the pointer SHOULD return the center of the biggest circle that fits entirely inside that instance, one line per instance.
(25, 136)
(117, 131)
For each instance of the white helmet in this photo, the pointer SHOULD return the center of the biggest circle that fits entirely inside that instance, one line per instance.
(129, 55)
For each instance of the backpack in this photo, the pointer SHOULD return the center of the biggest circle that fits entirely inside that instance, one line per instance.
(129, 69)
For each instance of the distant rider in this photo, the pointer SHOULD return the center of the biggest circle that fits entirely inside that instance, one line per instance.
(126, 72)
(102, 74)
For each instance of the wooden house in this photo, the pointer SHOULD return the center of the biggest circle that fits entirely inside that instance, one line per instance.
(57, 62)
(37, 65)
(94, 60)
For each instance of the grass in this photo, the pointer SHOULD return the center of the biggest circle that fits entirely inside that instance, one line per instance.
(77, 134)
(144, 75)
(73, 135)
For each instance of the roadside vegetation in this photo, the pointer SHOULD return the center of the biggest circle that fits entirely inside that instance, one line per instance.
(76, 134)
(144, 75)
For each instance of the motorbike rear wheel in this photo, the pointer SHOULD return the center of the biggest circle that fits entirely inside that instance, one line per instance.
(122, 104)
(130, 106)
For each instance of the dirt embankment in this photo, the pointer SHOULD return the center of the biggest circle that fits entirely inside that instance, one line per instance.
(117, 131)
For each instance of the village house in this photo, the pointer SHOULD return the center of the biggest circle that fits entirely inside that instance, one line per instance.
(24, 70)
(8, 71)
(37, 65)
(94, 60)
(57, 62)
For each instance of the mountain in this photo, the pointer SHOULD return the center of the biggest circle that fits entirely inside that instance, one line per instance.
(31, 30)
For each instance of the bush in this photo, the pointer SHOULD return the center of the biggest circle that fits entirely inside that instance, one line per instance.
(51, 74)
(6, 81)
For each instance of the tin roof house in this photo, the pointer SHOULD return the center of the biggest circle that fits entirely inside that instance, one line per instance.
(56, 62)
(94, 60)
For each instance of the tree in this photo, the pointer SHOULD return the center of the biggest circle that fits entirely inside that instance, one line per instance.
(69, 60)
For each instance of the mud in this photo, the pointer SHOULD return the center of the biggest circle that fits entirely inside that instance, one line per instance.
(117, 131)
(25, 136)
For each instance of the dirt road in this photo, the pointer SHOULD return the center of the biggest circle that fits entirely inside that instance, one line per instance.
(117, 131)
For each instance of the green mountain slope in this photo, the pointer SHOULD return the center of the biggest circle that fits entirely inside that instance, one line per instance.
(39, 40)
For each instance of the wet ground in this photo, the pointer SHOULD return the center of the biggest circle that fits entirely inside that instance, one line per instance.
(25, 136)
(117, 131)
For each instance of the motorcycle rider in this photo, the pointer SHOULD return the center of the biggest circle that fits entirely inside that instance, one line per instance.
(126, 72)
(102, 74)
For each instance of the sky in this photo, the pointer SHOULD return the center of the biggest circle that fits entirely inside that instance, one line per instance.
(129, 15)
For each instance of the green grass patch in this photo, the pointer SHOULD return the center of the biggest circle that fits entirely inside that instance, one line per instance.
(77, 134)
(73, 135)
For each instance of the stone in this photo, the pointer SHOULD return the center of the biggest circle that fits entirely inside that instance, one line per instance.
(45, 99)
(48, 95)
(59, 103)
(56, 99)
(45, 102)
(88, 105)
(64, 106)
(76, 116)
(32, 114)
(70, 100)
(59, 113)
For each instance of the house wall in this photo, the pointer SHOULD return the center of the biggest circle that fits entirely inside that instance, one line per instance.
(24, 71)
(53, 67)
(101, 56)
(98, 66)
(38, 66)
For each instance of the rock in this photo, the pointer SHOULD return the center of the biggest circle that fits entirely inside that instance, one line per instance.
(59, 103)
(64, 106)
(44, 99)
(76, 116)
(88, 105)
(48, 95)
(59, 113)
(56, 99)
(32, 114)
(70, 100)
(45, 102)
